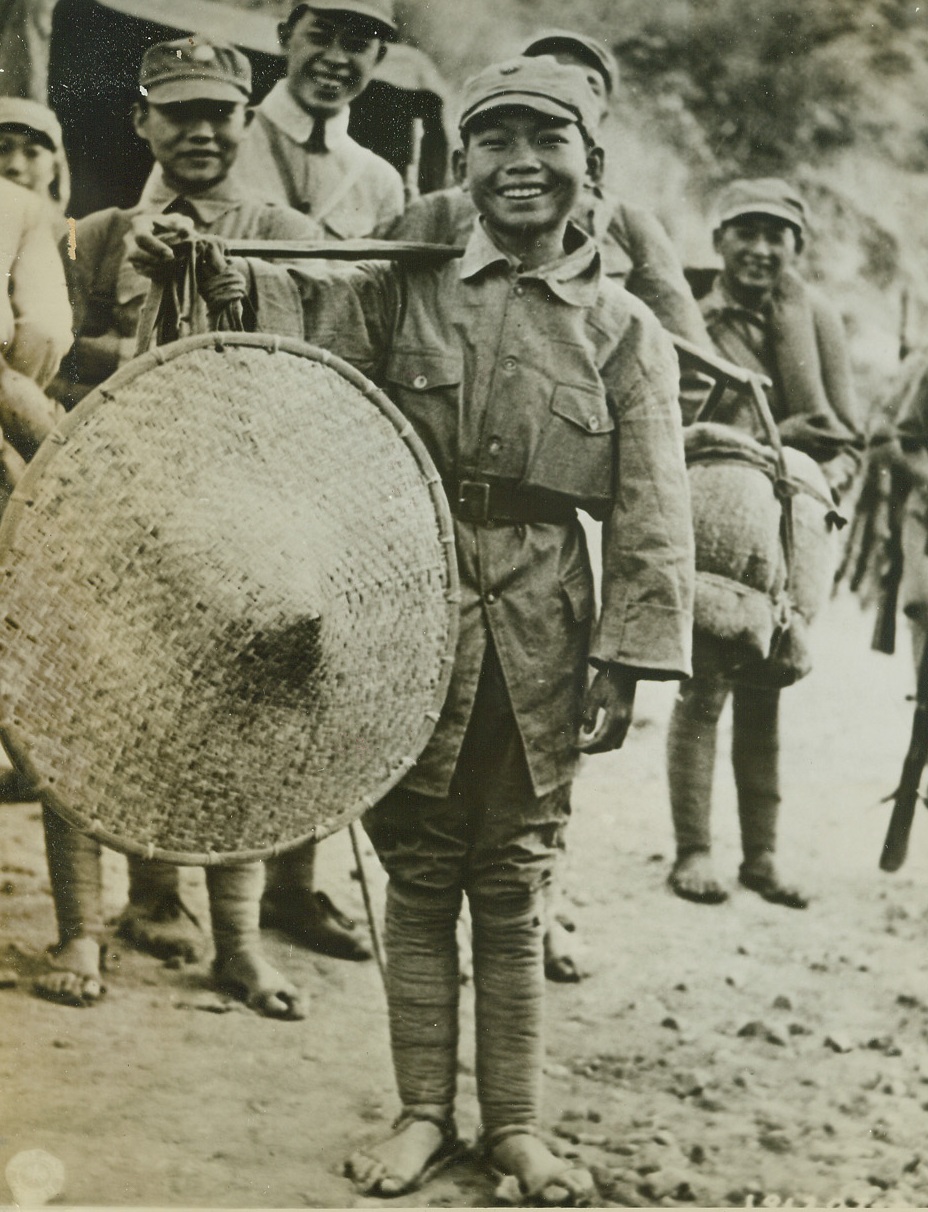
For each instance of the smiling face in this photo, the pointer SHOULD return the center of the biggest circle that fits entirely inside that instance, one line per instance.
(525, 171)
(330, 58)
(26, 161)
(195, 142)
(756, 250)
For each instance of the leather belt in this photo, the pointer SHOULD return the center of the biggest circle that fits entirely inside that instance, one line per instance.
(484, 502)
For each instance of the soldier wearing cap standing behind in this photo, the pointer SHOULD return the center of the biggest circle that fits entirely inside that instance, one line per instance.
(537, 386)
(636, 250)
(760, 315)
(193, 112)
(299, 150)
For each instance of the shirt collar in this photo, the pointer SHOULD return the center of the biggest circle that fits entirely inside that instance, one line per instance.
(574, 277)
(718, 302)
(280, 108)
(208, 206)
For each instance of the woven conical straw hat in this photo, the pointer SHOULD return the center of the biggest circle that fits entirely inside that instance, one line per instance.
(228, 602)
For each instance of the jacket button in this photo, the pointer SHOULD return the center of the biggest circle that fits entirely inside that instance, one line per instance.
(518, 290)
(509, 363)
(490, 598)
(593, 423)
(494, 446)
(420, 381)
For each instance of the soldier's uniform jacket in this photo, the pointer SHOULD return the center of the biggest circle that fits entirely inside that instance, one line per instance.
(798, 342)
(107, 292)
(635, 249)
(555, 389)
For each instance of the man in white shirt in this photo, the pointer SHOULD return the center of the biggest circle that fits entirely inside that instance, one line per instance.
(299, 150)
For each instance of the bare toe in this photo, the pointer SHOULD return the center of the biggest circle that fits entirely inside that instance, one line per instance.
(249, 977)
(560, 964)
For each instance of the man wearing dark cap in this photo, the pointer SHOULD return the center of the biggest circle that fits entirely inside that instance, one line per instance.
(193, 112)
(299, 150)
(761, 315)
(538, 386)
(636, 250)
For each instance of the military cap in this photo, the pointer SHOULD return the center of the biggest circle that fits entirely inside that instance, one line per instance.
(539, 83)
(762, 196)
(588, 50)
(381, 11)
(18, 113)
(193, 69)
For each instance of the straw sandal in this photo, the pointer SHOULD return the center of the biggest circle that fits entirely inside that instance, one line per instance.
(79, 981)
(449, 1150)
(766, 883)
(511, 1191)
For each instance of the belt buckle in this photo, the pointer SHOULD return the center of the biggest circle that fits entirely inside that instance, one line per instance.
(474, 501)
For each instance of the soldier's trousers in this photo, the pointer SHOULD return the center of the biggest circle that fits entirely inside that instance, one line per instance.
(691, 750)
(494, 840)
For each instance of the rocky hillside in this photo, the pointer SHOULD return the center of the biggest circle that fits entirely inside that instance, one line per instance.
(831, 93)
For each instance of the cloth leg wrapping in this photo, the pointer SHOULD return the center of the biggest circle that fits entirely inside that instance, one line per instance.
(423, 984)
(294, 870)
(509, 990)
(691, 747)
(76, 874)
(234, 907)
(756, 760)
(149, 879)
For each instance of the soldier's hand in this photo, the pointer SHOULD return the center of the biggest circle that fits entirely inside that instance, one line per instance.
(152, 239)
(607, 709)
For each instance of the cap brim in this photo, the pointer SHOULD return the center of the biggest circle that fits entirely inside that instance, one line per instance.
(37, 136)
(518, 100)
(169, 92)
(371, 11)
(770, 209)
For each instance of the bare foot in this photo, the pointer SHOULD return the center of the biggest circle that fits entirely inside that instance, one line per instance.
(532, 1172)
(311, 919)
(693, 879)
(163, 926)
(248, 976)
(404, 1161)
(560, 964)
(760, 875)
(74, 978)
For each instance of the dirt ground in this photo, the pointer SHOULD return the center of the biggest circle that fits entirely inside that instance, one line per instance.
(712, 1055)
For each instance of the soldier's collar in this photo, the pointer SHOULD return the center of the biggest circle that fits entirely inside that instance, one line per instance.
(574, 277)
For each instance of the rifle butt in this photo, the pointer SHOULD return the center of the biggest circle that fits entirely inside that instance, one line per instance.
(896, 844)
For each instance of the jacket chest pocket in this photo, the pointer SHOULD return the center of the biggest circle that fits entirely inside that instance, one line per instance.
(576, 451)
(426, 386)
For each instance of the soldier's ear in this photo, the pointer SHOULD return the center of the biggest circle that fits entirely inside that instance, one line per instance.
(458, 165)
(717, 239)
(140, 119)
(596, 164)
(249, 116)
(384, 47)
